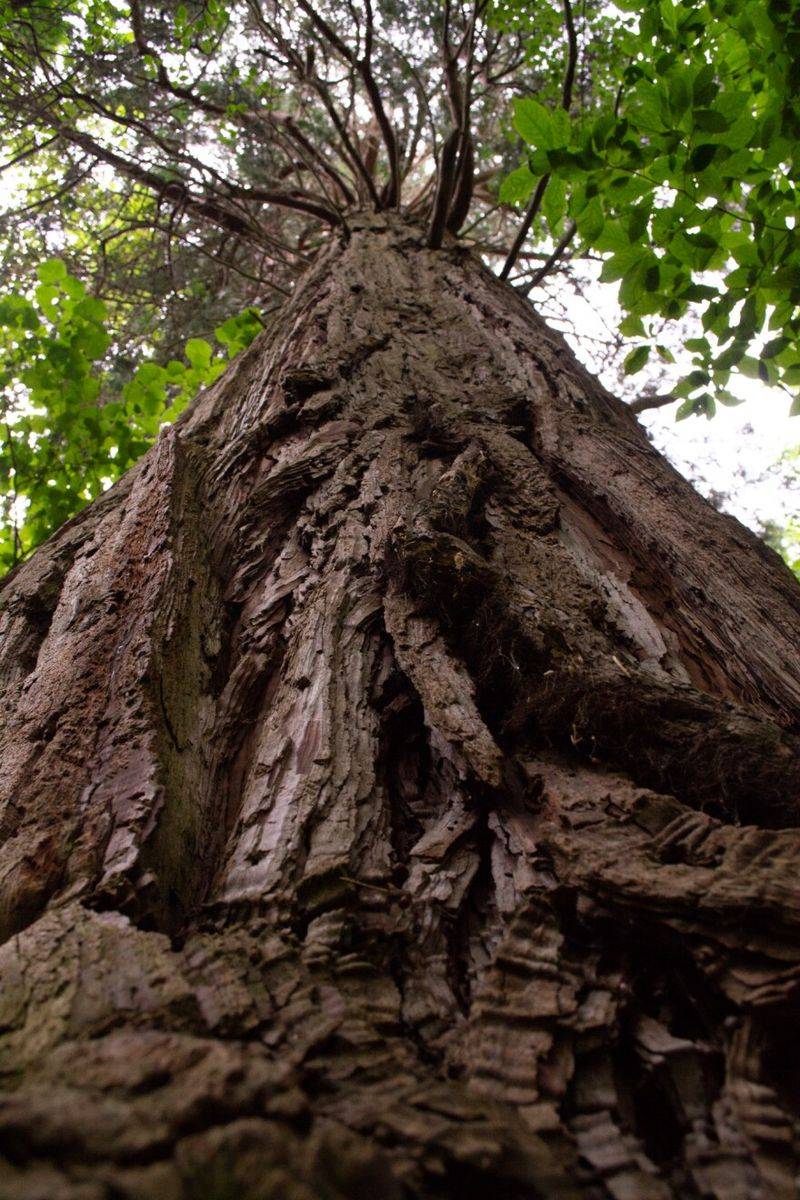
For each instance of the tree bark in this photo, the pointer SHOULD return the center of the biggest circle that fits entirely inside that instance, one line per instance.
(400, 786)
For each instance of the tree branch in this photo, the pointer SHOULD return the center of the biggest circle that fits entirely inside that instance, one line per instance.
(305, 73)
(465, 168)
(250, 117)
(572, 57)
(645, 402)
(363, 68)
(566, 102)
(206, 206)
(444, 190)
(551, 261)
(531, 212)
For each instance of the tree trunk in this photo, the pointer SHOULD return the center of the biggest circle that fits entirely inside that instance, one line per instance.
(400, 787)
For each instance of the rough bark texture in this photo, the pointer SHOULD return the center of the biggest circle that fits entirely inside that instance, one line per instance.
(400, 787)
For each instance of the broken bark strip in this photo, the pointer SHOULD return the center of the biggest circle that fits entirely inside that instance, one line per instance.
(400, 786)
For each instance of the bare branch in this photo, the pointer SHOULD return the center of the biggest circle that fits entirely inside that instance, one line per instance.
(531, 213)
(212, 208)
(444, 190)
(285, 121)
(51, 198)
(566, 101)
(29, 152)
(548, 265)
(303, 68)
(465, 168)
(572, 57)
(363, 68)
(391, 196)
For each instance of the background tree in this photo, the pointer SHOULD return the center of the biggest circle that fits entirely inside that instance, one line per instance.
(400, 760)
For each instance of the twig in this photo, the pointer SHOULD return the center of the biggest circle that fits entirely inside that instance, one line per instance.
(548, 265)
(531, 211)
(364, 69)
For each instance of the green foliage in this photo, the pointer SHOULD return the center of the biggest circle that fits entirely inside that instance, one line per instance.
(67, 431)
(686, 183)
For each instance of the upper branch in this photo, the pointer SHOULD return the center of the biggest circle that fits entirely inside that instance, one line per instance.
(566, 102)
(363, 66)
(210, 207)
(457, 159)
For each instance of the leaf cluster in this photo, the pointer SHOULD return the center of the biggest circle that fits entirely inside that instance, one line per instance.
(687, 187)
(69, 427)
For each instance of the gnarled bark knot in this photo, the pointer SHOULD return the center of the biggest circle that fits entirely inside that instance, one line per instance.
(400, 787)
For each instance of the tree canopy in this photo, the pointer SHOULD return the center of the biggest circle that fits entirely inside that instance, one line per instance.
(172, 170)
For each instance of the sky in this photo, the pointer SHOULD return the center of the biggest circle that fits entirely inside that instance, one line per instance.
(737, 454)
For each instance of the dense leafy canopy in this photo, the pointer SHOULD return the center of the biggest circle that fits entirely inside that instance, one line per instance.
(70, 429)
(686, 181)
(170, 171)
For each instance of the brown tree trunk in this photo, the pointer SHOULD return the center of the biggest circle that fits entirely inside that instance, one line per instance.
(400, 787)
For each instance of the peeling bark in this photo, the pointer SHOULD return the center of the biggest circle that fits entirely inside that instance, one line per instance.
(400, 786)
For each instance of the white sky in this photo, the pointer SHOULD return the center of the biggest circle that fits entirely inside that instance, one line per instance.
(737, 453)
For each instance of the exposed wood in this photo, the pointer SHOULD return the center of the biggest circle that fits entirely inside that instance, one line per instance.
(400, 786)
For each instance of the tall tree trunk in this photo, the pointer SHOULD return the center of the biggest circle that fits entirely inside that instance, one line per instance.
(400, 787)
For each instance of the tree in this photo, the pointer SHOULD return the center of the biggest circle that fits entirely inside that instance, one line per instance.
(400, 760)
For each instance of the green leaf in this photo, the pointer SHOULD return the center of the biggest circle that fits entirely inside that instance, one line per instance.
(92, 341)
(637, 224)
(517, 186)
(702, 156)
(52, 270)
(621, 263)
(731, 357)
(46, 297)
(632, 326)
(562, 128)
(679, 90)
(703, 240)
(73, 287)
(775, 346)
(538, 126)
(652, 278)
(91, 309)
(554, 204)
(636, 359)
(710, 121)
(749, 366)
(727, 398)
(705, 87)
(198, 352)
(648, 107)
(590, 221)
(631, 289)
